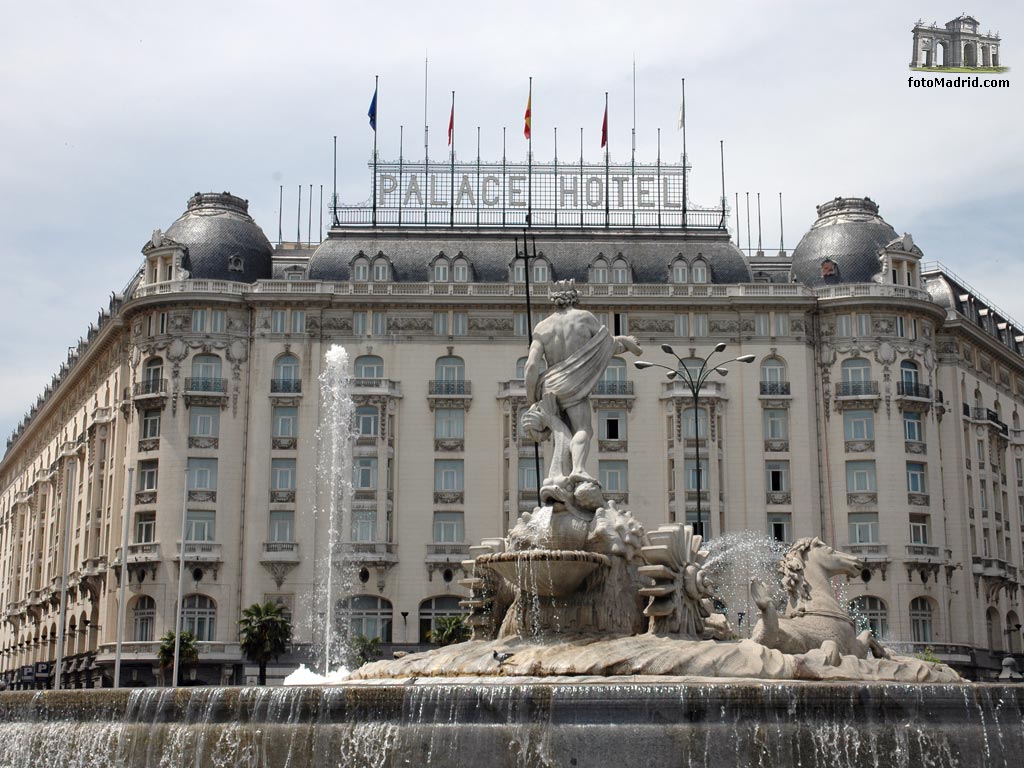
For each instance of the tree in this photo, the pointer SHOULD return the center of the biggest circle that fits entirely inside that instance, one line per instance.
(364, 650)
(265, 633)
(449, 630)
(189, 653)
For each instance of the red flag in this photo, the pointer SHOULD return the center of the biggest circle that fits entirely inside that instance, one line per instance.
(451, 122)
(526, 117)
(604, 128)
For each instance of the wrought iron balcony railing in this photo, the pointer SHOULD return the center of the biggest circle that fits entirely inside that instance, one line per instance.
(913, 389)
(856, 388)
(614, 388)
(204, 384)
(774, 387)
(286, 386)
(149, 387)
(446, 387)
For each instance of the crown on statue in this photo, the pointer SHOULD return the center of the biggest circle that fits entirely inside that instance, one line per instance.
(564, 293)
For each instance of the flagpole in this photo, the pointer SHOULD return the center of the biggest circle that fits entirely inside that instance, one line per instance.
(721, 147)
(478, 177)
(659, 178)
(607, 190)
(375, 83)
(334, 194)
(529, 164)
(582, 223)
(504, 196)
(682, 121)
(401, 144)
(632, 161)
(452, 141)
(556, 176)
(426, 147)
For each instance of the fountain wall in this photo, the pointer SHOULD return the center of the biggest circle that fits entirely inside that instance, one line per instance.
(520, 722)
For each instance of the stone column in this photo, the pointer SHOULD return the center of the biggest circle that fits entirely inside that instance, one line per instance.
(917, 48)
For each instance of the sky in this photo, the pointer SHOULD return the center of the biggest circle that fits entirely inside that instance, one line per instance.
(112, 114)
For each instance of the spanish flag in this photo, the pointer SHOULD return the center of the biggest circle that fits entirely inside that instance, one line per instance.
(526, 117)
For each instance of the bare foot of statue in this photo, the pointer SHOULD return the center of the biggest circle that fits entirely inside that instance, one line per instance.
(580, 477)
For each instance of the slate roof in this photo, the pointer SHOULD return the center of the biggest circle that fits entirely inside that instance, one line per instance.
(489, 253)
(848, 231)
(217, 227)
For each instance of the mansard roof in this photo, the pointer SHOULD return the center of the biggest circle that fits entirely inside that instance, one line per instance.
(491, 253)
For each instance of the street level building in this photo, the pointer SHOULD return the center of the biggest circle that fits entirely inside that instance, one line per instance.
(883, 413)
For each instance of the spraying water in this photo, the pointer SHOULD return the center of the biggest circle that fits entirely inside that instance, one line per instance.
(733, 560)
(334, 469)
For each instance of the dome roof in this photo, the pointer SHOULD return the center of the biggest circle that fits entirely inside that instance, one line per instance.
(850, 234)
(223, 241)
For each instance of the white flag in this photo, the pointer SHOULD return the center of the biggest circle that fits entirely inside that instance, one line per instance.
(682, 114)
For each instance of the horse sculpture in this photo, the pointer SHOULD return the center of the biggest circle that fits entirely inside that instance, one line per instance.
(814, 618)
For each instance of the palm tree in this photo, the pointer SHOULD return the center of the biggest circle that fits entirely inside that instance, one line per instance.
(266, 632)
(189, 653)
(449, 630)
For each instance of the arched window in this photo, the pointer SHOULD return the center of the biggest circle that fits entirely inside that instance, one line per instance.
(599, 271)
(286, 368)
(434, 608)
(870, 613)
(206, 374)
(856, 370)
(369, 367)
(521, 368)
(994, 629)
(460, 270)
(1013, 632)
(909, 372)
(1016, 420)
(922, 628)
(200, 617)
(367, 420)
(361, 270)
(540, 271)
(366, 615)
(773, 371)
(680, 271)
(143, 619)
(450, 369)
(700, 271)
(154, 370)
(620, 271)
(381, 270)
(440, 270)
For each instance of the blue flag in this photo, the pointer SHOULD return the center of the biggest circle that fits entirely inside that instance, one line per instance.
(372, 112)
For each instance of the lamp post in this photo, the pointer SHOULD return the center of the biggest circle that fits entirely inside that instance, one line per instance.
(694, 381)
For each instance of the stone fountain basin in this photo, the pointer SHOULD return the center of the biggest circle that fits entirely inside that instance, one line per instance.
(544, 572)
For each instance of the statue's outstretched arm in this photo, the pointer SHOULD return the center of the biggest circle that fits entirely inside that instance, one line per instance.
(627, 344)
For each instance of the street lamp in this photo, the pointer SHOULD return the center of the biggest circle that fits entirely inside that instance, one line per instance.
(694, 381)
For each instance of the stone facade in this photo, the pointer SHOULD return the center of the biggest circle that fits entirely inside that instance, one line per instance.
(957, 44)
(882, 416)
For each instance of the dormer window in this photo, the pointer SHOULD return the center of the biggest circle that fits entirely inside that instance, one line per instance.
(361, 271)
(235, 264)
(381, 270)
(680, 271)
(440, 271)
(599, 271)
(620, 271)
(460, 271)
(700, 271)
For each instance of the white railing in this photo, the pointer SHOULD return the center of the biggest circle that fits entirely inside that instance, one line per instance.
(872, 290)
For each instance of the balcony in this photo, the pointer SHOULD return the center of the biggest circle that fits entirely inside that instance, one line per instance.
(149, 388)
(202, 495)
(364, 494)
(449, 444)
(285, 443)
(862, 499)
(775, 389)
(447, 553)
(612, 446)
(990, 566)
(143, 552)
(201, 552)
(376, 386)
(446, 388)
(918, 499)
(778, 497)
(205, 391)
(147, 444)
(203, 442)
(922, 553)
(369, 552)
(282, 496)
(857, 389)
(614, 388)
(280, 552)
(869, 552)
(913, 389)
(512, 388)
(915, 446)
(286, 386)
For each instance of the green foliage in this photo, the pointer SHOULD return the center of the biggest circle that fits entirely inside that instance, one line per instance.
(265, 633)
(449, 630)
(189, 651)
(928, 654)
(364, 650)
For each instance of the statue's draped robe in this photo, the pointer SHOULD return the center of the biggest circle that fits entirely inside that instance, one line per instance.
(572, 380)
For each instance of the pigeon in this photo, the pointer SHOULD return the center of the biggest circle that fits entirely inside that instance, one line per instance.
(501, 658)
